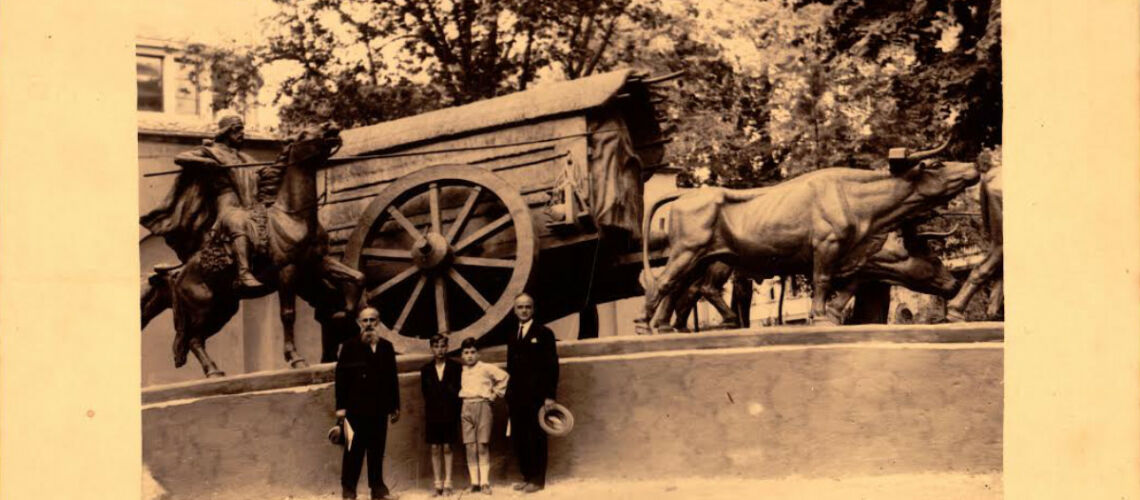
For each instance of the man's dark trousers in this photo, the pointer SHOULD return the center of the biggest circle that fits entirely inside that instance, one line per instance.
(368, 390)
(529, 441)
(371, 434)
(532, 362)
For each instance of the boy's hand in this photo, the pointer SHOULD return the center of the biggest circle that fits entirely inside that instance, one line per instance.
(394, 416)
(340, 414)
(549, 403)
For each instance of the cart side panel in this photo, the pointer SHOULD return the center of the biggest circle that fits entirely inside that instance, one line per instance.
(533, 158)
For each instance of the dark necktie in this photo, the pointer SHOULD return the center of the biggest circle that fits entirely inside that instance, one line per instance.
(520, 333)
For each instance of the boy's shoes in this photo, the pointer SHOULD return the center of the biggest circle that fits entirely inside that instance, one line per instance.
(520, 486)
(447, 491)
(474, 488)
(486, 489)
(438, 492)
(531, 488)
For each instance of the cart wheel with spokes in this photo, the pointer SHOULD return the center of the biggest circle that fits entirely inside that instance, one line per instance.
(459, 235)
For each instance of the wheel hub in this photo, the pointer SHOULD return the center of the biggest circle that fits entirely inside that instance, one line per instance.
(430, 251)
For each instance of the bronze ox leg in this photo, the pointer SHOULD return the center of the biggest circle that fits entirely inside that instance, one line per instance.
(838, 302)
(825, 256)
(682, 307)
(680, 264)
(715, 296)
(956, 308)
(286, 293)
(742, 300)
(997, 299)
(208, 366)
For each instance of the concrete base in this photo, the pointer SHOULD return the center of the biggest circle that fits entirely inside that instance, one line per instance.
(808, 403)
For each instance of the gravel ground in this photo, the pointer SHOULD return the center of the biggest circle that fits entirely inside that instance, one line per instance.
(910, 486)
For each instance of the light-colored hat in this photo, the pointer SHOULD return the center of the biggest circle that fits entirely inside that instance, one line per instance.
(336, 435)
(556, 421)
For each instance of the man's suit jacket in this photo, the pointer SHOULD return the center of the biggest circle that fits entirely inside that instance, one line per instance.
(532, 363)
(366, 383)
(441, 397)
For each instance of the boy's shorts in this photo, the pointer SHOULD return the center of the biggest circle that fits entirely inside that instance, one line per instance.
(441, 432)
(476, 418)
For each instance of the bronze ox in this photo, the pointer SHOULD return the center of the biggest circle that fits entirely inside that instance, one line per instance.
(827, 223)
(903, 260)
(991, 207)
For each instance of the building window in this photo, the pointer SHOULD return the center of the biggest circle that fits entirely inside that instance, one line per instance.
(149, 75)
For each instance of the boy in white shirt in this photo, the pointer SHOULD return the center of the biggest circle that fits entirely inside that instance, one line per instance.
(480, 384)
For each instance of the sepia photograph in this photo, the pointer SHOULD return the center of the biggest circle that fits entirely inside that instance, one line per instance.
(571, 249)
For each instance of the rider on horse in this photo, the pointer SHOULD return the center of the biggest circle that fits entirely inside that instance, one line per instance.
(208, 195)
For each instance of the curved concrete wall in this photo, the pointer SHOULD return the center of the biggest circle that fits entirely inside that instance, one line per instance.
(806, 402)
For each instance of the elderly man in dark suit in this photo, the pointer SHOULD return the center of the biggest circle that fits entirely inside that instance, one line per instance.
(532, 361)
(367, 397)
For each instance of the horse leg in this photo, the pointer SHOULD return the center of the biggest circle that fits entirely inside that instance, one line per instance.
(198, 347)
(287, 295)
(155, 298)
(956, 308)
(348, 280)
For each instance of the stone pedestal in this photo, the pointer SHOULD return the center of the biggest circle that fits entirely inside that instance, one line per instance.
(262, 340)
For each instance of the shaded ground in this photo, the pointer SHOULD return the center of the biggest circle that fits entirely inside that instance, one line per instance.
(909, 486)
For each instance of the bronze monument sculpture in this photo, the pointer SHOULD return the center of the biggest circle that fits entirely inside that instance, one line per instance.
(276, 223)
(991, 205)
(903, 260)
(829, 222)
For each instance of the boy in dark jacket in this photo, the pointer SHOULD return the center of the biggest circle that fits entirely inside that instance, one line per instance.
(440, 380)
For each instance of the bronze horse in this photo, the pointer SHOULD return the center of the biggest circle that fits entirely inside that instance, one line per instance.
(291, 258)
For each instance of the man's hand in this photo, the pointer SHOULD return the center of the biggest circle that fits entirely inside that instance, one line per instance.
(394, 416)
(548, 404)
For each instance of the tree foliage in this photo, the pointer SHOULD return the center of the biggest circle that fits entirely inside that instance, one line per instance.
(361, 62)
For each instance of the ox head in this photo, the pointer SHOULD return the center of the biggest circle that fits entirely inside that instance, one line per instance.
(905, 260)
(935, 180)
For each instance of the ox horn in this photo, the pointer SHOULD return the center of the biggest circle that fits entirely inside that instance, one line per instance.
(922, 155)
(933, 234)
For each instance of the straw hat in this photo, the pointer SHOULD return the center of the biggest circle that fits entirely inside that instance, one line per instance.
(556, 421)
(336, 435)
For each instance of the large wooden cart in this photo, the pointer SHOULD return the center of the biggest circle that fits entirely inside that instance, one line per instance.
(455, 212)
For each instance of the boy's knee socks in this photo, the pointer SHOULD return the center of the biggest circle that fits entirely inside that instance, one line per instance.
(484, 469)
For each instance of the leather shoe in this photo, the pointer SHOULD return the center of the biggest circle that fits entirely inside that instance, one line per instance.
(520, 486)
(531, 488)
